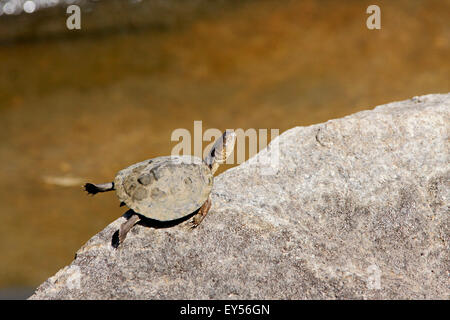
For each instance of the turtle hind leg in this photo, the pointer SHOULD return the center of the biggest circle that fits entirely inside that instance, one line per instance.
(96, 188)
(201, 214)
(126, 226)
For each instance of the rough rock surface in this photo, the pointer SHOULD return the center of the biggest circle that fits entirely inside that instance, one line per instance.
(356, 207)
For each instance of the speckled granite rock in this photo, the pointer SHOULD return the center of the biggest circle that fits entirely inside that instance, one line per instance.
(356, 207)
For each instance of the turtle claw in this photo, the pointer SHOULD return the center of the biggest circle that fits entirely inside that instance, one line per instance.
(193, 224)
(91, 189)
(201, 214)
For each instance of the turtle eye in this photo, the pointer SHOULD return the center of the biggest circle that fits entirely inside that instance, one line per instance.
(213, 152)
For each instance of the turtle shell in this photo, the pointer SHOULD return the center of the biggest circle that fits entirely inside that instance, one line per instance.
(165, 188)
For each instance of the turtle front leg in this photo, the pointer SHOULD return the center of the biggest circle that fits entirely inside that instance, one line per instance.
(201, 214)
(96, 188)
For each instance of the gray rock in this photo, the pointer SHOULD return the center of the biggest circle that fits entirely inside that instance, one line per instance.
(356, 207)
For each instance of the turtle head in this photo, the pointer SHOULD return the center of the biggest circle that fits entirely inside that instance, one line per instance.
(221, 150)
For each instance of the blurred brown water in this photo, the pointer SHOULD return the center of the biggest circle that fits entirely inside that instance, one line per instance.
(80, 105)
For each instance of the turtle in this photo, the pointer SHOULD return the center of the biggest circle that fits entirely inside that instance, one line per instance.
(168, 188)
